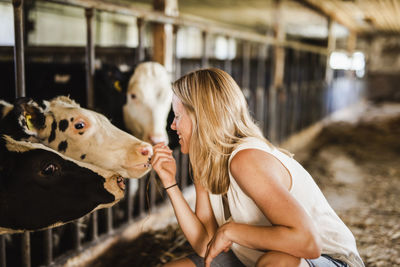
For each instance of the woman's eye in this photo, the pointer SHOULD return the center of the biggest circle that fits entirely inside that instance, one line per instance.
(133, 96)
(79, 125)
(49, 169)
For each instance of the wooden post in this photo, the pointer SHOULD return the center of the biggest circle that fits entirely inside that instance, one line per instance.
(163, 34)
(278, 71)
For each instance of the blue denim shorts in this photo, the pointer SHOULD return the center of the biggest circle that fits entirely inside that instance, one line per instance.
(229, 259)
(326, 261)
(224, 259)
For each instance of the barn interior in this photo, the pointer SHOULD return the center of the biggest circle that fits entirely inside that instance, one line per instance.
(320, 78)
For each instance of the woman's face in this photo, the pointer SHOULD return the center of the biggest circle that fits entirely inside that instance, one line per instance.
(181, 124)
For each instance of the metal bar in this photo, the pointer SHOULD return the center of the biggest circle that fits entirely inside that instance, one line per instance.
(184, 170)
(129, 202)
(26, 249)
(246, 73)
(95, 226)
(260, 90)
(76, 237)
(142, 191)
(228, 60)
(109, 220)
(140, 52)
(89, 58)
(153, 189)
(213, 27)
(19, 48)
(205, 54)
(2, 251)
(48, 246)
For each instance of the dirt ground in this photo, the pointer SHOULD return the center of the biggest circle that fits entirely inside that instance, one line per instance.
(356, 162)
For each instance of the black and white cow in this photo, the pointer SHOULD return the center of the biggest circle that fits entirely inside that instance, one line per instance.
(41, 188)
(79, 133)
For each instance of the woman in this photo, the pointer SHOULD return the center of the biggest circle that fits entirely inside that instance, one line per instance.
(255, 205)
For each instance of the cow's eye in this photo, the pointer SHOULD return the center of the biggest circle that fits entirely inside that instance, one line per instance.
(50, 169)
(79, 125)
(133, 96)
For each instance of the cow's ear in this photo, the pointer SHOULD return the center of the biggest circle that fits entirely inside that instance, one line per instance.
(31, 116)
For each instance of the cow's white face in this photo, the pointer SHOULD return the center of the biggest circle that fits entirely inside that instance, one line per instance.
(88, 136)
(149, 97)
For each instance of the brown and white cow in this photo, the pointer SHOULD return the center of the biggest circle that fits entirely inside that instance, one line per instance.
(149, 97)
(79, 133)
(41, 188)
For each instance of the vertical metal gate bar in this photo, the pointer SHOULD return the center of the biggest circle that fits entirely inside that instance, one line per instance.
(228, 60)
(142, 191)
(19, 92)
(26, 250)
(205, 54)
(95, 227)
(2, 251)
(259, 101)
(246, 55)
(140, 53)
(19, 61)
(153, 189)
(184, 170)
(48, 246)
(177, 61)
(76, 235)
(129, 202)
(109, 220)
(89, 58)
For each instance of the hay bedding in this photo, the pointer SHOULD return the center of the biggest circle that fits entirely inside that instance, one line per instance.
(357, 166)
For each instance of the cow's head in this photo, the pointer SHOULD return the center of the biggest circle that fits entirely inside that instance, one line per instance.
(149, 97)
(79, 133)
(40, 187)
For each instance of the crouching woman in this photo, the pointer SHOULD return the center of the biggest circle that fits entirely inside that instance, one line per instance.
(255, 204)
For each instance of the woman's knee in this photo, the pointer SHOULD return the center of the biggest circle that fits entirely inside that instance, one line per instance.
(278, 259)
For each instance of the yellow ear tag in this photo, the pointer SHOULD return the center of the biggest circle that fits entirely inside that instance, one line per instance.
(28, 118)
(117, 86)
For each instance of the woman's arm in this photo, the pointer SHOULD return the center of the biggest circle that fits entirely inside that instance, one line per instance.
(263, 178)
(198, 227)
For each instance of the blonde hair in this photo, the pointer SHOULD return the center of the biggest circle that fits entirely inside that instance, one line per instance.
(220, 119)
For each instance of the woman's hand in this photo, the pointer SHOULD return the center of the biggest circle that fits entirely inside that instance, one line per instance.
(164, 164)
(220, 242)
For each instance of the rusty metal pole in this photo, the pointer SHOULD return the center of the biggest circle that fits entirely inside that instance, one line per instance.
(89, 58)
(19, 48)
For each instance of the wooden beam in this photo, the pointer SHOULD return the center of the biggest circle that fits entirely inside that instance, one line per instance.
(163, 39)
(333, 14)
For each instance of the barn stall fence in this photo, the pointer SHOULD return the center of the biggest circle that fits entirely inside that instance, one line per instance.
(281, 109)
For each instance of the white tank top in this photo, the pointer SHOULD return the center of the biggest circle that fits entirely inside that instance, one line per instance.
(337, 240)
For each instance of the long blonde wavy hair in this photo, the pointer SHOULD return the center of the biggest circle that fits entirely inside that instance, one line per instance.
(220, 119)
